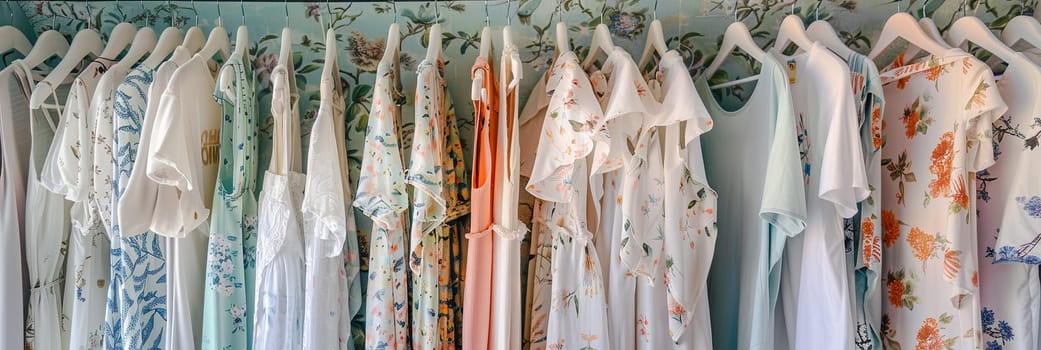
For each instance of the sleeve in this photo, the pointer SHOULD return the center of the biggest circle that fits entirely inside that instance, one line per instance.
(168, 160)
(566, 134)
(381, 189)
(323, 205)
(843, 178)
(784, 196)
(983, 106)
(425, 164)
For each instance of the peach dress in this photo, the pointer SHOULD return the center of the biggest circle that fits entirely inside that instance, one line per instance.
(477, 292)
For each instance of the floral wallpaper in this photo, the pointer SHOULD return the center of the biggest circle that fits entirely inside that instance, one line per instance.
(694, 27)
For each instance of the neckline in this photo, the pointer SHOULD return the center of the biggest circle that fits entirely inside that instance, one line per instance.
(712, 103)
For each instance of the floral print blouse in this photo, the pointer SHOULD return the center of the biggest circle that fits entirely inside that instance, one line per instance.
(577, 309)
(937, 136)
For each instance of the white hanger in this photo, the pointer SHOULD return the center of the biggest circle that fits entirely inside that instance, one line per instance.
(434, 34)
(792, 32)
(144, 42)
(601, 41)
(13, 39)
(971, 29)
(242, 35)
(86, 43)
(168, 41)
(903, 25)
(736, 36)
(329, 68)
(655, 43)
(822, 32)
(218, 42)
(194, 39)
(563, 44)
(1022, 28)
(486, 35)
(121, 36)
(49, 44)
(930, 28)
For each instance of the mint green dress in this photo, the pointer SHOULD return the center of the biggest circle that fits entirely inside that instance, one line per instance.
(231, 255)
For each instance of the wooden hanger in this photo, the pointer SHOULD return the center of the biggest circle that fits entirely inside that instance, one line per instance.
(86, 43)
(49, 44)
(736, 36)
(144, 42)
(168, 41)
(822, 32)
(971, 29)
(217, 43)
(655, 43)
(486, 35)
(792, 32)
(434, 37)
(903, 26)
(1022, 28)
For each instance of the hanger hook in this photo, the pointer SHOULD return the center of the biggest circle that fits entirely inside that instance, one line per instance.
(735, 11)
(220, 20)
(817, 11)
(287, 13)
(509, 13)
(437, 12)
(487, 17)
(603, 12)
(925, 4)
(793, 7)
(196, 13)
(654, 11)
(242, 9)
(144, 10)
(8, 3)
(330, 10)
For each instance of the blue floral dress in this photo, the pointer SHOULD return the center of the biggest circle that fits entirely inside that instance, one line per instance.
(231, 256)
(137, 294)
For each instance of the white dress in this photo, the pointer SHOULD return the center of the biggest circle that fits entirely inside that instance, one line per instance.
(279, 310)
(630, 216)
(89, 241)
(184, 154)
(1009, 199)
(689, 207)
(577, 313)
(814, 287)
(509, 231)
(327, 223)
(383, 198)
(87, 252)
(15, 87)
(46, 232)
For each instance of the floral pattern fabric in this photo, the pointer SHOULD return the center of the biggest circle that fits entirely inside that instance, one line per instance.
(382, 198)
(1008, 220)
(137, 294)
(577, 314)
(863, 231)
(689, 208)
(937, 137)
(231, 253)
(441, 196)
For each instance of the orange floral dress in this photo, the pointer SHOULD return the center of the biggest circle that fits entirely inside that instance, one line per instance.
(936, 136)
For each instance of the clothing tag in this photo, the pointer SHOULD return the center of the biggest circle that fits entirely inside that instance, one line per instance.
(791, 72)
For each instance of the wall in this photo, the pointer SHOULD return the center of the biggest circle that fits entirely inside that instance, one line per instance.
(693, 27)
